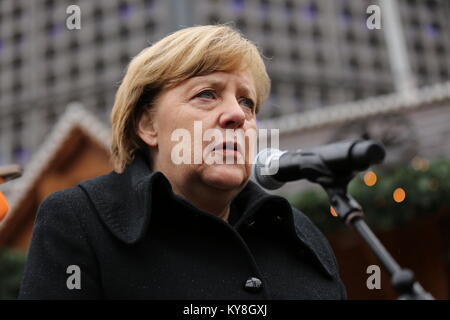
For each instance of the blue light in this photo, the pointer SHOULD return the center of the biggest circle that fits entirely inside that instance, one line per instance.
(125, 11)
(346, 17)
(309, 11)
(21, 155)
(56, 30)
(432, 30)
(238, 5)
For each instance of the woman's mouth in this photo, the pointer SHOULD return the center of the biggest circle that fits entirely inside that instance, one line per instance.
(228, 148)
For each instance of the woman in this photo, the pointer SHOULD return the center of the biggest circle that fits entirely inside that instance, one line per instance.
(158, 229)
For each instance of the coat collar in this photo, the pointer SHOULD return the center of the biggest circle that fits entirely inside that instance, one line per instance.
(124, 202)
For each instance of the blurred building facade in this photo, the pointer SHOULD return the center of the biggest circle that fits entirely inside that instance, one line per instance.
(319, 53)
(332, 78)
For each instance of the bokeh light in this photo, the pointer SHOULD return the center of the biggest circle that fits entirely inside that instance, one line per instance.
(4, 207)
(421, 164)
(333, 212)
(370, 178)
(399, 195)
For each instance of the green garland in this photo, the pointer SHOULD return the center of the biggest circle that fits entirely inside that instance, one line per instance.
(427, 190)
(12, 264)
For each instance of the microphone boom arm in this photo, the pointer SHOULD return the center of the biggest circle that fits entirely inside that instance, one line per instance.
(351, 212)
(333, 166)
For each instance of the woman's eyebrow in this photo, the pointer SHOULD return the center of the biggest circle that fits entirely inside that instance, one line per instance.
(207, 82)
(243, 88)
(211, 82)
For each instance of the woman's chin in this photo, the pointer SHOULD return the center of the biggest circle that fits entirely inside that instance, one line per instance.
(225, 177)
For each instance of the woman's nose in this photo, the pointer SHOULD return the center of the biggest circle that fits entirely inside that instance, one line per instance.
(233, 116)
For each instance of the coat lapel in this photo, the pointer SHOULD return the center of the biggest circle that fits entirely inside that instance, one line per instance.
(125, 202)
(252, 202)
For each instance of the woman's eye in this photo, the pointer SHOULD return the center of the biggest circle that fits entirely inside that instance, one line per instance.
(248, 103)
(208, 94)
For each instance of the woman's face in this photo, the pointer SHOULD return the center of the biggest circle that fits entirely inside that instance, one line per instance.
(222, 101)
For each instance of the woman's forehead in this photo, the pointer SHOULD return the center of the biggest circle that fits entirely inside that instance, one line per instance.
(243, 79)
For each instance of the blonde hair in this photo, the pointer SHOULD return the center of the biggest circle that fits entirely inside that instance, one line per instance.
(181, 55)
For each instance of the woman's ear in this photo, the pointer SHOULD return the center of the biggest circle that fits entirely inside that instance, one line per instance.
(146, 129)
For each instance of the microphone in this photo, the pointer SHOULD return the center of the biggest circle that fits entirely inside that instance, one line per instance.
(10, 172)
(273, 167)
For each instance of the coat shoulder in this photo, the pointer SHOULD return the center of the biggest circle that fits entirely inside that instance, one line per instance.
(60, 240)
(65, 202)
(67, 207)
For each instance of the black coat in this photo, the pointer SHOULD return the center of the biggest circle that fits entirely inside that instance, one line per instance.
(132, 238)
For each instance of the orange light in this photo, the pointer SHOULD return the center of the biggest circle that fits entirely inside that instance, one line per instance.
(370, 178)
(333, 212)
(4, 207)
(421, 164)
(399, 195)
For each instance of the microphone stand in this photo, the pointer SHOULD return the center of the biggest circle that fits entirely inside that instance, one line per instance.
(10, 172)
(333, 166)
(349, 211)
(7, 173)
